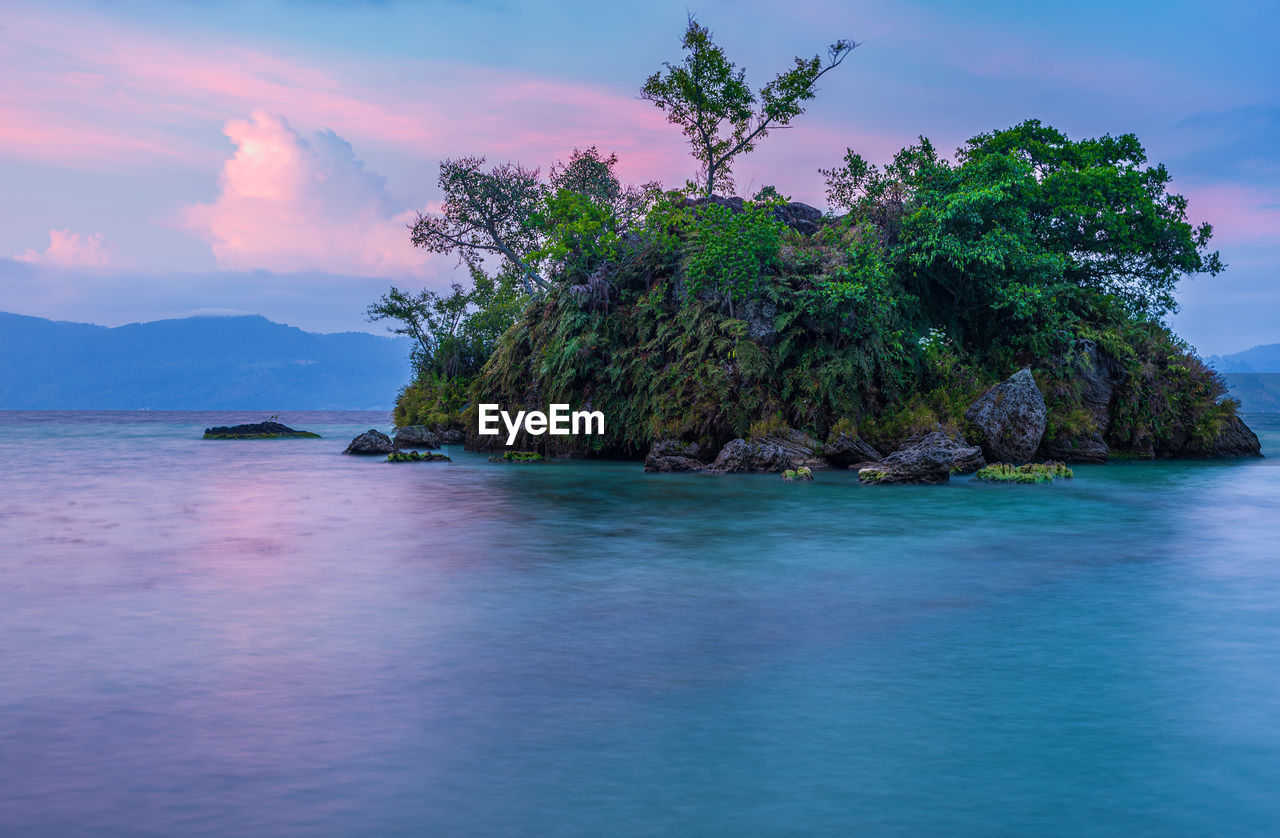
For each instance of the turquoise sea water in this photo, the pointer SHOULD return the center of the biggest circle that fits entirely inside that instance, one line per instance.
(266, 638)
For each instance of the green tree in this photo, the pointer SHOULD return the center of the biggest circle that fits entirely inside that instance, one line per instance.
(708, 97)
(452, 334)
(1111, 218)
(486, 213)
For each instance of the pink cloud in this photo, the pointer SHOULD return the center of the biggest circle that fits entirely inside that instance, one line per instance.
(294, 203)
(74, 250)
(1239, 214)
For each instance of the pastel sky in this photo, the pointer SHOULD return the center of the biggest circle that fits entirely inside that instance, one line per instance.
(167, 159)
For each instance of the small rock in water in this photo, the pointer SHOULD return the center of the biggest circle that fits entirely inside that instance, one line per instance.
(370, 442)
(416, 436)
(257, 430)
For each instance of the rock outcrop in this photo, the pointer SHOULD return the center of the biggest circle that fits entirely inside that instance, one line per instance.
(257, 430)
(370, 442)
(775, 452)
(1097, 375)
(1009, 419)
(845, 450)
(416, 436)
(1234, 441)
(668, 455)
(927, 460)
(453, 436)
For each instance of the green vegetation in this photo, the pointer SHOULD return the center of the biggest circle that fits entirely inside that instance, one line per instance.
(708, 97)
(417, 457)
(713, 319)
(518, 457)
(1029, 473)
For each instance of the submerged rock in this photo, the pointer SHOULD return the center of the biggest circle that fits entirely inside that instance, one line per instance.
(416, 436)
(1010, 419)
(518, 457)
(774, 452)
(257, 430)
(370, 442)
(670, 455)
(931, 459)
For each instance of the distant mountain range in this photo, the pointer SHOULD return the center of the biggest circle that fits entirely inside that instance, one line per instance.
(1253, 377)
(209, 363)
(251, 363)
(1260, 359)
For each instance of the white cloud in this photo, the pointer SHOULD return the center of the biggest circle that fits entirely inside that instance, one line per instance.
(294, 203)
(74, 250)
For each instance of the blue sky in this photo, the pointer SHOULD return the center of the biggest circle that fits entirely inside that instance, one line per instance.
(168, 159)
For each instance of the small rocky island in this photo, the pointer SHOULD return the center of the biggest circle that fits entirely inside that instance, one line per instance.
(257, 430)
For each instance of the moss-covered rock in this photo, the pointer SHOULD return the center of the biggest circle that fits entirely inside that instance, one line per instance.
(1028, 473)
(257, 430)
(417, 457)
(802, 473)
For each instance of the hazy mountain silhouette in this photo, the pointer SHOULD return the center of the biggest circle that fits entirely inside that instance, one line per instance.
(1253, 376)
(195, 363)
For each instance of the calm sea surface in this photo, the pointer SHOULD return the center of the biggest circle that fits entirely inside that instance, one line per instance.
(267, 638)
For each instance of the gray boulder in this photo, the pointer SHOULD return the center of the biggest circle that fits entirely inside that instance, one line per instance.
(931, 459)
(1009, 419)
(668, 455)
(1085, 448)
(416, 436)
(843, 450)
(370, 442)
(453, 436)
(775, 452)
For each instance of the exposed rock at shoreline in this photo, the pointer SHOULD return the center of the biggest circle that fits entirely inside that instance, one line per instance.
(1010, 419)
(1234, 441)
(453, 436)
(843, 450)
(931, 459)
(257, 430)
(670, 455)
(774, 452)
(1096, 374)
(370, 442)
(416, 436)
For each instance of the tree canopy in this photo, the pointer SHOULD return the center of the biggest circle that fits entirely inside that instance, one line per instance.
(486, 212)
